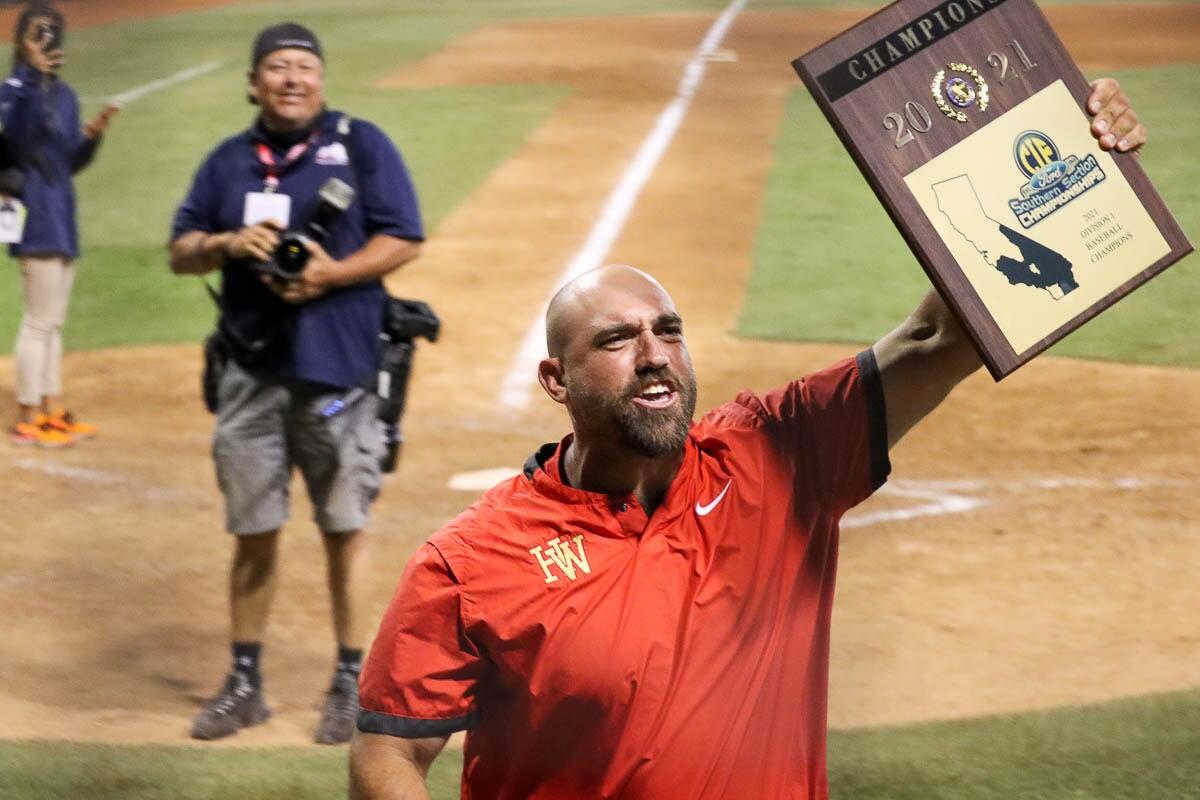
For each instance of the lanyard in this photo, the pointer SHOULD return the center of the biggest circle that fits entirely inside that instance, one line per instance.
(267, 159)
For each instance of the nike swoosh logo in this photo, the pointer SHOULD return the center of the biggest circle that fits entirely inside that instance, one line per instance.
(704, 511)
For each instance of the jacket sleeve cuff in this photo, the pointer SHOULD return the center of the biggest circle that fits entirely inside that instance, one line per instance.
(413, 727)
(872, 382)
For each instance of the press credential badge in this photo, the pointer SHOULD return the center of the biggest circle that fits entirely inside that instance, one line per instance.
(267, 207)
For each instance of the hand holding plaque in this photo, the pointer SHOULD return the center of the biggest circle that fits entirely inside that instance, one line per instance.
(1114, 122)
(967, 119)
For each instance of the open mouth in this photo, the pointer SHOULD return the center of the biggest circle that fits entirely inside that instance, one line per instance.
(659, 394)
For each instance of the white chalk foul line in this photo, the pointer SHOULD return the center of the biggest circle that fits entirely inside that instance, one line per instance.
(514, 392)
(960, 496)
(82, 474)
(95, 477)
(938, 502)
(138, 92)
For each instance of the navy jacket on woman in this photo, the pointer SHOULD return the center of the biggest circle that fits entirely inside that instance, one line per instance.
(40, 121)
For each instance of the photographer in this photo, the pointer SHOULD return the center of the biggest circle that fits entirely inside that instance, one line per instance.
(43, 145)
(304, 346)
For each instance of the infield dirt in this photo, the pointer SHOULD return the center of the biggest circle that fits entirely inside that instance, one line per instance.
(1066, 575)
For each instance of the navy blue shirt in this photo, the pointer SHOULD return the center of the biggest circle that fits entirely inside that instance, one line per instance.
(333, 340)
(40, 121)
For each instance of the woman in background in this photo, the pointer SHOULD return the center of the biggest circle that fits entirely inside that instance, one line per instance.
(39, 115)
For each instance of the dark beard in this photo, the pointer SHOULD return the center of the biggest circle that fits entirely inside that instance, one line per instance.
(651, 432)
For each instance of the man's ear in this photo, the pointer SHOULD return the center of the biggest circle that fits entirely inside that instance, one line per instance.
(550, 376)
(251, 89)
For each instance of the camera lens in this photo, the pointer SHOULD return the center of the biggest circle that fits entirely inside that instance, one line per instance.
(291, 256)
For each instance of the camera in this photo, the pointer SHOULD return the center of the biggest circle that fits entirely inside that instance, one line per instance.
(291, 254)
(404, 322)
(51, 34)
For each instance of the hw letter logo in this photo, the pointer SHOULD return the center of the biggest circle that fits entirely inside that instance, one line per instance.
(559, 553)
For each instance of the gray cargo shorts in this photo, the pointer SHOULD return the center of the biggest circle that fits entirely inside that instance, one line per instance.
(266, 426)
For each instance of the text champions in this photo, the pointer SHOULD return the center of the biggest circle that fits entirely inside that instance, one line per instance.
(900, 44)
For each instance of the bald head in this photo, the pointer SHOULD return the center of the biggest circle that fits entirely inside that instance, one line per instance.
(619, 363)
(596, 294)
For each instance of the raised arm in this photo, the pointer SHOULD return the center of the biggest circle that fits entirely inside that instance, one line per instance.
(920, 362)
(386, 767)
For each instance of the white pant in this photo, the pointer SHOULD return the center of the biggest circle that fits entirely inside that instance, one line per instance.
(39, 348)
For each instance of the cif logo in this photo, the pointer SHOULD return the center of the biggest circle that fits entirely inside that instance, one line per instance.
(1038, 159)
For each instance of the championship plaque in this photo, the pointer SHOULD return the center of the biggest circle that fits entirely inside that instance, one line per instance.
(967, 118)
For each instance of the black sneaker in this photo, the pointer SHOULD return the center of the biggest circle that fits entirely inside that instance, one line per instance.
(341, 710)
(239, 705)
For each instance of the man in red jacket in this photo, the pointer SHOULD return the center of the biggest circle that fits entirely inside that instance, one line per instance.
(644, 612)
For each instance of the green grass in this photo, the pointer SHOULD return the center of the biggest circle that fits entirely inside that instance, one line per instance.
(830, 266)
(1146, 748)
(51, 771)
(451, 138)
(125, 294)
